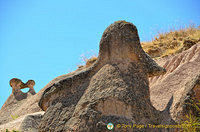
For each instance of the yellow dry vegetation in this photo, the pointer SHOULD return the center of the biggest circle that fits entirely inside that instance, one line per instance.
(172, 42)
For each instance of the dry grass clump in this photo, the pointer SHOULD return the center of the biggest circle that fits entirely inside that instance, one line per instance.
(88, 62)
(172, 42)
(192, 119)
(87, 58)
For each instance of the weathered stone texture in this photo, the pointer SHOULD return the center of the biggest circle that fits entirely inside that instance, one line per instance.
(114, 89)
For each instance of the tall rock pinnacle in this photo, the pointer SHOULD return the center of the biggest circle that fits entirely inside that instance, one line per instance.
(114, 89)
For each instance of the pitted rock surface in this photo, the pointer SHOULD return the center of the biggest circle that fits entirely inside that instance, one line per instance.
(185, 100)
(114, 89)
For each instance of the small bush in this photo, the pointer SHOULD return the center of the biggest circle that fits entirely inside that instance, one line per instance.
(14, 116)
(12, 130)
(193, 118)
(88, 62)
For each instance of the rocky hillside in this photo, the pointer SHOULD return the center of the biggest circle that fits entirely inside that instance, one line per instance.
(123, 85)
(172, 42)
(19, 104)
(181, 69)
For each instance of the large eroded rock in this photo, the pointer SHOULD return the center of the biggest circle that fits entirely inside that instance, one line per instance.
(114, 89)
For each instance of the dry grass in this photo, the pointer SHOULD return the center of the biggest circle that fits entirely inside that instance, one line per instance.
(192, 119)
(172, 42)
(88, 62)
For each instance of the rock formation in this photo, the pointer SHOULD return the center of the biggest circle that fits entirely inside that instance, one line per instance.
(24, 123)
(181, 69)
(114, 89)
(18, 103)
(17, 85)
(184, 100)
(23, 108)
(31, 122)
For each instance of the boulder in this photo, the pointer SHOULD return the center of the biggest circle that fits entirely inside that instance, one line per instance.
(31, 122)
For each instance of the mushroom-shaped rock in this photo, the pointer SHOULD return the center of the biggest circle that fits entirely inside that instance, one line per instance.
(114, 89)
(30, 84)
(17, 85)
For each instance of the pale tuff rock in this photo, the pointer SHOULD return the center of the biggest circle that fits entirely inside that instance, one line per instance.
(31, 122)
(181, 69)
(185, 100)
(25, 123)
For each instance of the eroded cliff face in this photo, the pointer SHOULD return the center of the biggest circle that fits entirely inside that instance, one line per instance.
(181, 69)
(114, 89)
(180, 81)
(186, 101)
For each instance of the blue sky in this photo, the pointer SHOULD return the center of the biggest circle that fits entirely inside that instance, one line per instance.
(42, 39)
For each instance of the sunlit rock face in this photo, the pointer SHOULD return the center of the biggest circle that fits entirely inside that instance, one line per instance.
(114, 89)
(186, 101)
